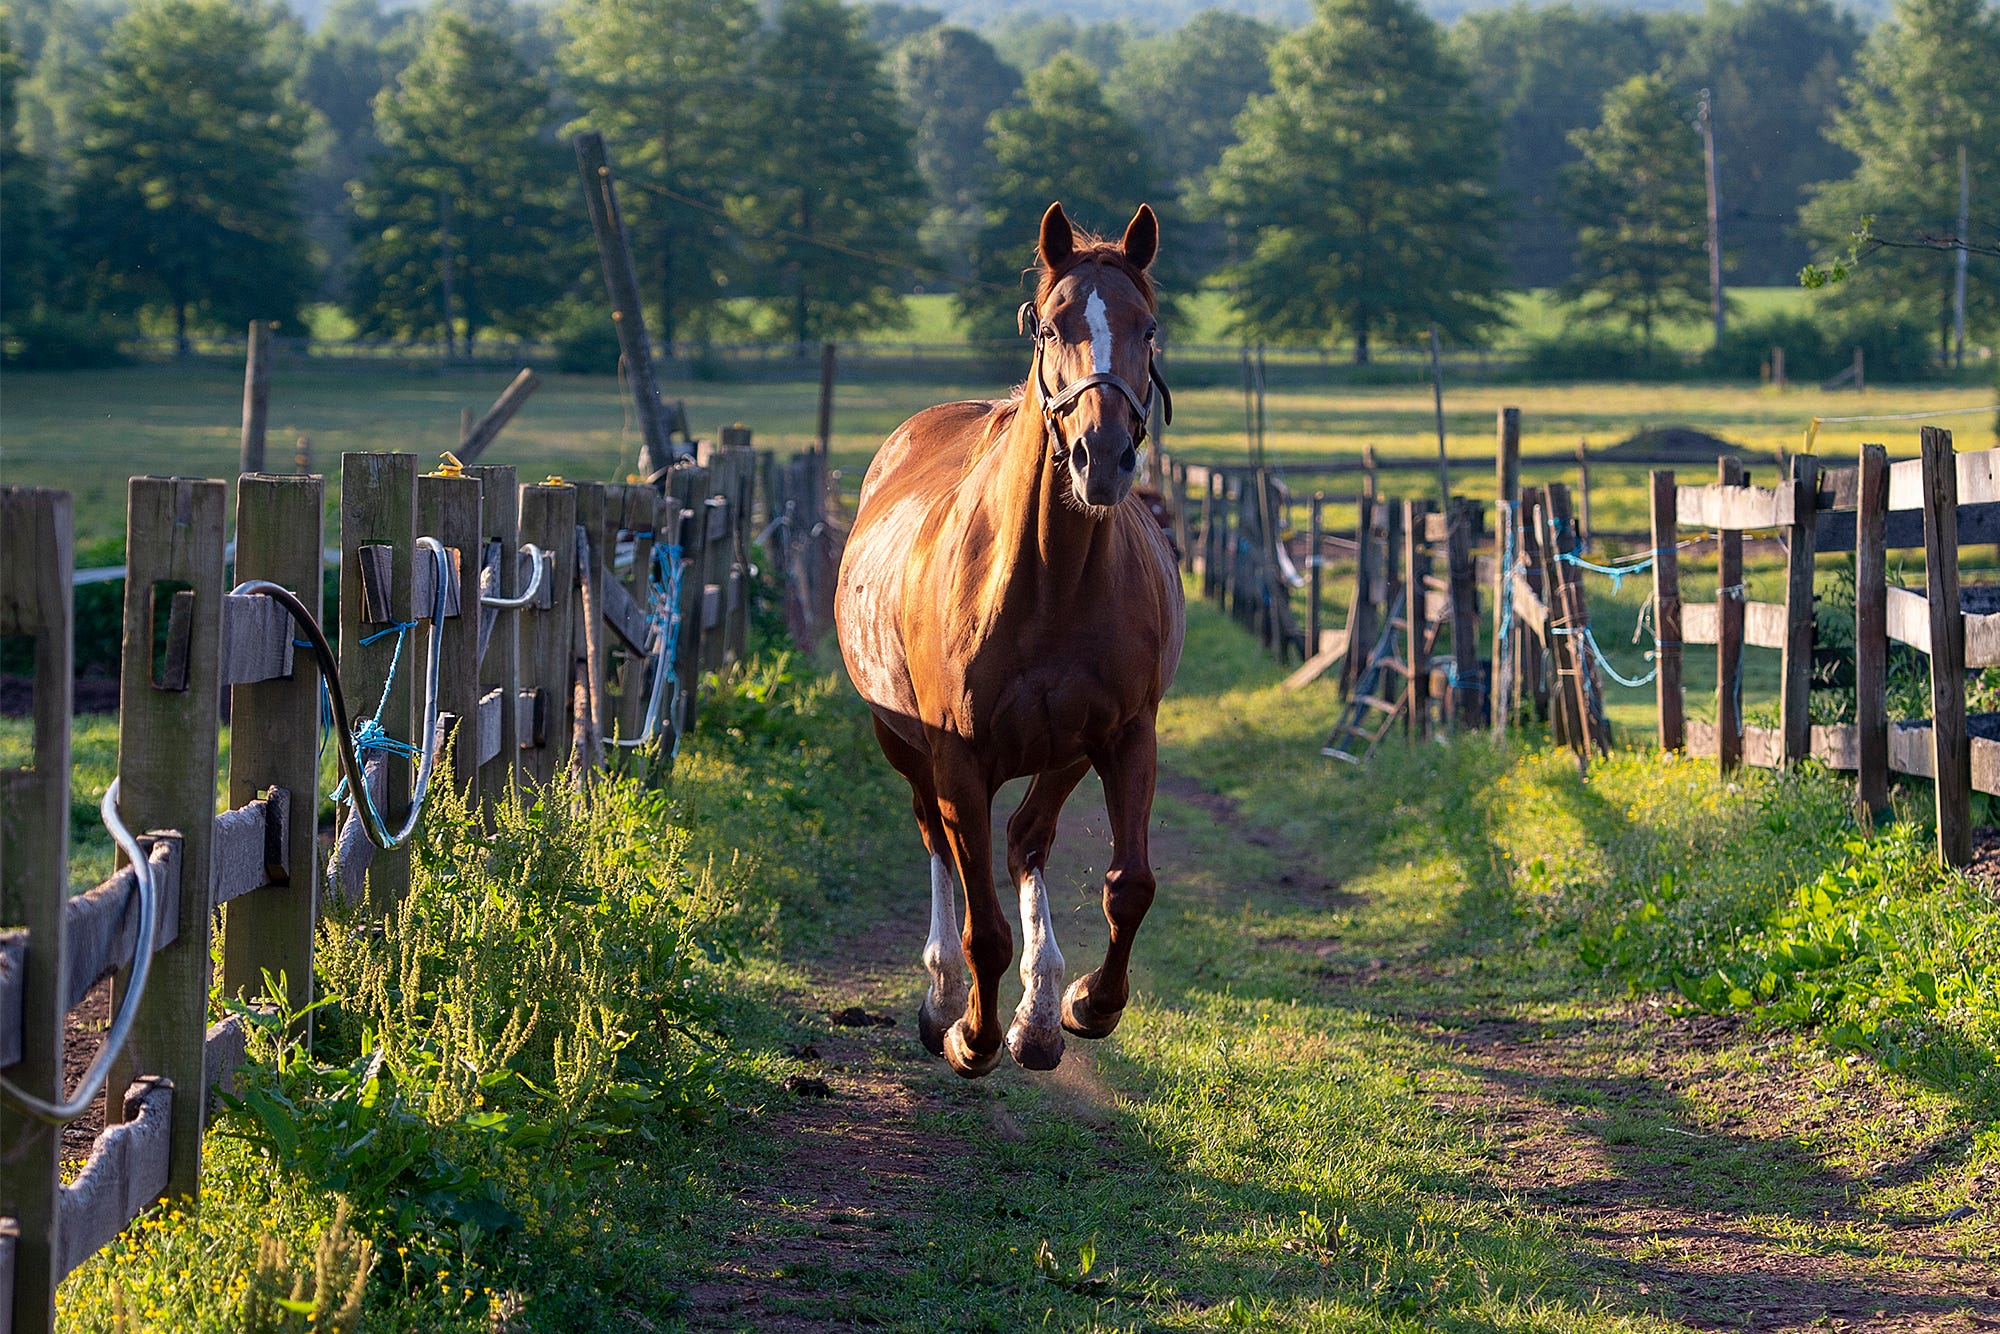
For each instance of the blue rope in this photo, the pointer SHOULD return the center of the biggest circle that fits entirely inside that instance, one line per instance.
(1597, 654)
(1502, 645)
(1617, 573)
(667, 615)
(368, 734)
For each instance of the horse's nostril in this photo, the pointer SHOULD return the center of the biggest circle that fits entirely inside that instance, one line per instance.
(1079, 457)
(1128, 460)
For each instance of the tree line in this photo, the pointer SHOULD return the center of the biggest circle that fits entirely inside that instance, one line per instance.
(791, 170)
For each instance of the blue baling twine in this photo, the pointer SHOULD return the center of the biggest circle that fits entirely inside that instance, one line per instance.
(368, 735)
(1616, 573)
(667, 597)
(1583, 633)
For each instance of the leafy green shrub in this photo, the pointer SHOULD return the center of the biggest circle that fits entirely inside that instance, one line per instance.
(1893, 347)
(1745, 349)
(586, 341)
(56, 341)
(1594, 355)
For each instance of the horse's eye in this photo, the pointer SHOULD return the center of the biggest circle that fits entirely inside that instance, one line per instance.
(1151, 331)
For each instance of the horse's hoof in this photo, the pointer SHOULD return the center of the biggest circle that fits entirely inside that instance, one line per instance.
(931, 1026)
(1035, 1048)
(960, 1056)
(1083, 1019)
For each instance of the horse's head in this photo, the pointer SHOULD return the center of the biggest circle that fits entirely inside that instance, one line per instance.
(1095, 334)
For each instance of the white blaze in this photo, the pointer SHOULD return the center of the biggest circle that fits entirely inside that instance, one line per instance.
(1041, 961)
(1100, 332)
(944, 953)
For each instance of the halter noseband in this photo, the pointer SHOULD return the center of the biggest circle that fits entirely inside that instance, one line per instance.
(1054, 404)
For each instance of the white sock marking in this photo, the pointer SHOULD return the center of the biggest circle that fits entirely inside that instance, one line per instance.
(944, 954)
(1100, 332)
(1041, 961)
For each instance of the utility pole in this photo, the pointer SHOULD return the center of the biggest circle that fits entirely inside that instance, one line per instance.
(444, 274)
(1964, 242)
(1706, 119)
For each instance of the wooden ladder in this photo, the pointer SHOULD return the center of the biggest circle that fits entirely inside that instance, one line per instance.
(1371, 712)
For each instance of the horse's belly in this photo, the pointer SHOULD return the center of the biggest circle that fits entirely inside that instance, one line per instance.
(868, 607)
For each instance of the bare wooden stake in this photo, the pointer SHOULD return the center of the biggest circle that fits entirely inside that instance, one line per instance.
(622, 282)
(1951, 765)
(1667, 686)
(37, 560)
(1871, 630)
(256, 395)
(1729, 597)
(274, 742)
(474, 437)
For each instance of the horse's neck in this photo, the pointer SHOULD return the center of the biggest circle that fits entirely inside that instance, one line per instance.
(1043, 541)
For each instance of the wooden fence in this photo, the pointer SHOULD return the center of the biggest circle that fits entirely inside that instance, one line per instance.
(573, 620)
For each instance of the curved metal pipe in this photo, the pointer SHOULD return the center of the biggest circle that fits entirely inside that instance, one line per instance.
(60, 1113)
(540, 558)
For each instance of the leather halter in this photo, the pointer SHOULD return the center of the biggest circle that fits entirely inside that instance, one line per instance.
(1053, 405)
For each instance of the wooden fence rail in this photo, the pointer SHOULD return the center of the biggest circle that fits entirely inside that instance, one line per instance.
(527, 689)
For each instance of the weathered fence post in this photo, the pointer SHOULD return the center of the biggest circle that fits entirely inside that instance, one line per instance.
(588, 667)
(378, 508)
(1462, 522)
(168, 719)
(1795, 717)
(689, 486)
(274, 742)
(1537, 663)
(1314, 560)
(1416, 617)
(1871, 629)
(37, 560)
(548, 520)
(256, 395)
(1584, 530)
(1729, 599)
(826, 370)
(473, 438)
(499, 630)
(448, 508)
(1507, 499)
(1951, 763)
(622, 283)
(1667, 612)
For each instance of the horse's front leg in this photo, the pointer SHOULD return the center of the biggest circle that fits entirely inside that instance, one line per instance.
(965, 801)
(1035, 1037)
(1096, 1001)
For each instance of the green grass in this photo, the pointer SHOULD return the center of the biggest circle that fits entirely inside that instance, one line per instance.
(1298, 1134)
(88, 431)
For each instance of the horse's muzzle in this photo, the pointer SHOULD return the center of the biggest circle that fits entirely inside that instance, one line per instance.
(1102, 465)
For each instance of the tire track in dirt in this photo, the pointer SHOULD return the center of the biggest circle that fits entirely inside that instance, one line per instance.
(1574, 1116)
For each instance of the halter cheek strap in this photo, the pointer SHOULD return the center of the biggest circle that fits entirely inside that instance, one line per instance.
(1054, 405)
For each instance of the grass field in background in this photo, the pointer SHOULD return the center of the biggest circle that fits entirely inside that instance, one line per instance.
(88, 431)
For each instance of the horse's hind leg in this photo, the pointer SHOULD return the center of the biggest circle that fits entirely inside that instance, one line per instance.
(1035, 1037)
(944, 955)
(1095, 1002)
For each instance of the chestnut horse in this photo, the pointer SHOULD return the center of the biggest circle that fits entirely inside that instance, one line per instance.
(1007, 613)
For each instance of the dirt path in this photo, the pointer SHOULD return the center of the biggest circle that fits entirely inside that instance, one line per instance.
(1686, 1159)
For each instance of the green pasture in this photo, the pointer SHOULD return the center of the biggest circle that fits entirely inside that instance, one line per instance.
(88, 431)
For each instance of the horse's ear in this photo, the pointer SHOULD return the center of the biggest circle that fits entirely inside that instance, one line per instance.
(1142, 238)
(1058, 239)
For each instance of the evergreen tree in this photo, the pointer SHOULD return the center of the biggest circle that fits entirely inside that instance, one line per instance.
(665, 82)
(1638, 199)
(1362, 186)
(458, 225)
(1061, 143)
(835, 195)
(1185, 91)
(1545, 70)
(951, 81)
(1926, 85)
(357, 51)
(1774, 68)
(26, 222)
(186, 180)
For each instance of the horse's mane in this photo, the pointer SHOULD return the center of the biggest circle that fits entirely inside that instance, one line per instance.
(1090, 246)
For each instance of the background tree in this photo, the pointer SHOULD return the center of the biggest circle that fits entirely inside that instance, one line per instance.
(355, 53)
(459, 225)
(835, 199)
(188, 169)
(27, 222)
(664, 81)
(1926, 84)
(951, 82)
(1184, 90)
(1028, 39)
(1545, 70)
(1361, 187)
(1774, 68)
(1638, 199)
(1064, 142)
